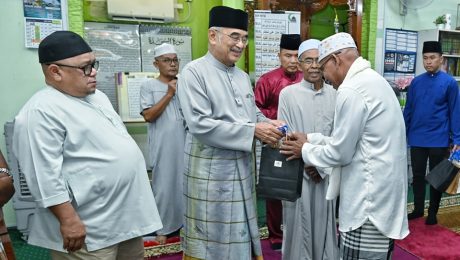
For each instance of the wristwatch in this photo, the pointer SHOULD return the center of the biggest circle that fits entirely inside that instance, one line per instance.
(5, 170)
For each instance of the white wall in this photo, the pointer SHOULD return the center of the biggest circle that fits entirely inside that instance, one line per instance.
(420, 19)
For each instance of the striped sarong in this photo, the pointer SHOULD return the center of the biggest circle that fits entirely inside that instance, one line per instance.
(365, 242)
(220, 219)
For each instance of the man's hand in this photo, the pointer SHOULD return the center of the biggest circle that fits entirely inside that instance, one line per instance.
(172, 87)
(73, 230)
(455, 148)
(292, 146)
(313, 174)
(267, 132)
(73, 233)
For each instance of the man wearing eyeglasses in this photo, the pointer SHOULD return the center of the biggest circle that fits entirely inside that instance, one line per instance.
(367, 149)
(308, 107)
(160, 108)
(85, 172)
(267, 92)
(222, 120)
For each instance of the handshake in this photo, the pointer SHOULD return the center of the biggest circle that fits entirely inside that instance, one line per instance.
(271, 132)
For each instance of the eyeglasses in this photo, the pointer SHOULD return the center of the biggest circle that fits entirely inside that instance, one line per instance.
(169, 61)
(326, 60)
(236, 37)
(87, 69)
(309, 61)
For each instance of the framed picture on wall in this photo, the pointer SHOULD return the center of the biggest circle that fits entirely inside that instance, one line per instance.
(405, 62)
(389, 62)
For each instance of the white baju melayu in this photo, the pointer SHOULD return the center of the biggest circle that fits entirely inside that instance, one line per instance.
(78, 150)
(166, 146)
(309, 223)
(220, 214)
(368, 142)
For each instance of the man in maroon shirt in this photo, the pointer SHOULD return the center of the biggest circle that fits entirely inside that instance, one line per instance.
(267, 93)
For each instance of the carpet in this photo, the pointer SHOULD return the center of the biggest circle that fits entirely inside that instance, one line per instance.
(431, 242)
(268, 253)
(449, 217)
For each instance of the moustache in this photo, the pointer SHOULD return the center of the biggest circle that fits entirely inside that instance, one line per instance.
(236, 49)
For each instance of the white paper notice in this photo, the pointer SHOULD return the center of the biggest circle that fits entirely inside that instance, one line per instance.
(268, 28)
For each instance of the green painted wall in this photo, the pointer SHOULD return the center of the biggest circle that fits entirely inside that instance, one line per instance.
(19, 70)
(368, 33)
(198, 21)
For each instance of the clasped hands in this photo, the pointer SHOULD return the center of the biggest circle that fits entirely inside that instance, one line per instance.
(292, 147)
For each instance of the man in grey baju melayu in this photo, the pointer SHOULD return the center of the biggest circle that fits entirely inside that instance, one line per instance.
(166, 134)
(222, 119)
(308, 107)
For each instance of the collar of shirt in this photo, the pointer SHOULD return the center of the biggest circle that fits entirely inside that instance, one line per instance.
(431, 75)
(213, 61)
(311, 86)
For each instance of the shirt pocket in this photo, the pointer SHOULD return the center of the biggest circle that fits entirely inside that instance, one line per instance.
(84, 187)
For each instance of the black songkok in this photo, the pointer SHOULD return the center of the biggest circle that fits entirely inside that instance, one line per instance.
(223, 16)
(61, 45)
(432, 46)
(290, 41)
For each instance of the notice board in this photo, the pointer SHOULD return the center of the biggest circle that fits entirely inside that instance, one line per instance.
(268, 27)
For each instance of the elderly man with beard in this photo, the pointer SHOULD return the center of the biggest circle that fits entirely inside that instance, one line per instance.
(308, 107)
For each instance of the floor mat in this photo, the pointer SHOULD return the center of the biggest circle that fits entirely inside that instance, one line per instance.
(431, 241)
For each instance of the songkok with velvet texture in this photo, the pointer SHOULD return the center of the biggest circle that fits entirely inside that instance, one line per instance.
(223, 16)
(335, 43)
(432, 46)
(164, 48)
(61, 45)
(290, 42)
(308, 45)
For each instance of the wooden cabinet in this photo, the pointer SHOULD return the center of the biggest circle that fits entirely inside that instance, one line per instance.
(450, 42)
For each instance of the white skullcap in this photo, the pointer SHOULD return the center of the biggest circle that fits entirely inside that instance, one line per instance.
(308, 45)
(335, 43)
(164, 48)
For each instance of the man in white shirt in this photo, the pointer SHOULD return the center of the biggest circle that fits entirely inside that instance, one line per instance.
(85, 172)
(367, 150)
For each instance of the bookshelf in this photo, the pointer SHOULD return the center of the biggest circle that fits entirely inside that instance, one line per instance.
(450, 42)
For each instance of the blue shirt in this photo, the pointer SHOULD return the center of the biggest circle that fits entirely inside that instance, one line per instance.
(432, 112)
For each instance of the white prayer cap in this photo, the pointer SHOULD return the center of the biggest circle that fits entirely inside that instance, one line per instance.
(335, 43)
(308, 45)
(164, 48)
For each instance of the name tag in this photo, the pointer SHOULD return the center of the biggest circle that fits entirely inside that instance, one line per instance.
(278, 164)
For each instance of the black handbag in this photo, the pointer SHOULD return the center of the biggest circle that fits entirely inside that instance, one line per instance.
(278, 178)
(442, 175)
